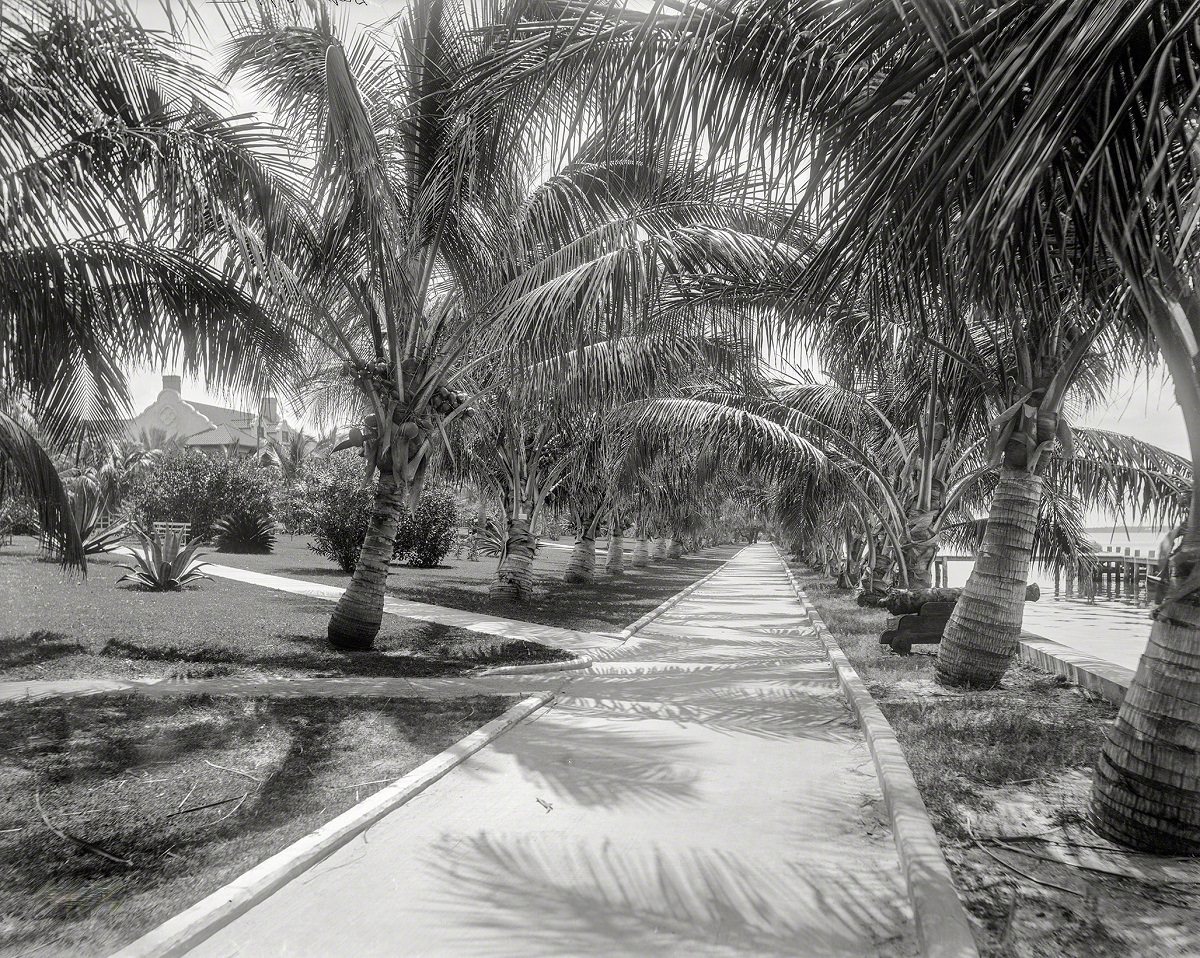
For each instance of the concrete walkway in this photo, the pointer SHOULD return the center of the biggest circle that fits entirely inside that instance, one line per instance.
(704, 792)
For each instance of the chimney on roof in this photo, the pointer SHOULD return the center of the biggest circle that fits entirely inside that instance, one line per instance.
(268, 408)
(173, 383)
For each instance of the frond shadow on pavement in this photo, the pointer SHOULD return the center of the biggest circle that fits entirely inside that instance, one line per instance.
(603, 765)
(563, 896)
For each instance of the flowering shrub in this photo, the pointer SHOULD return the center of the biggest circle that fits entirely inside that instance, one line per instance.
(425, 535)
(331, 504)
(188, 486)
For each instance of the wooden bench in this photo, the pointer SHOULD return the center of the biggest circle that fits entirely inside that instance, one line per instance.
(160, 529)
(917, 628)
(926, 625)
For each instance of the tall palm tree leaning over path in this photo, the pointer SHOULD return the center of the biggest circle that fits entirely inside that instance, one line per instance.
(136, 225)
(1016, 156)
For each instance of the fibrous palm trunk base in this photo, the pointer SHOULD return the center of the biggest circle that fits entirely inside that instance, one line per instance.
(919, 562)
(1146, 791)
(615, 564)
(582, 567)
(675, 549)
(514, 575)
(641, 553)
(982, 636)
(660, 549)
(359, 612)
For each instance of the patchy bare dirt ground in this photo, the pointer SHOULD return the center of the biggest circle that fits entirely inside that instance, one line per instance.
(1044, 883)
(1005, 775)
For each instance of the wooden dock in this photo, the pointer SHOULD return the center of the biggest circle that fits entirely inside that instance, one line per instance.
(1116, 572)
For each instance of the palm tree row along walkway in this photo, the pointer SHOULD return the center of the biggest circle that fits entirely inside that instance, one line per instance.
(704, 791)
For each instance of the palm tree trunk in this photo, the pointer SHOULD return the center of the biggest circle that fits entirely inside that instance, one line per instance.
(675, 548)
(615, 564)
(582, 567)
(660, 549)
(640, 552)
(982, 635)
(1146, 790)
(514, 574)
(919, 561)
(880, 574)
(920, 549)
(359, 612)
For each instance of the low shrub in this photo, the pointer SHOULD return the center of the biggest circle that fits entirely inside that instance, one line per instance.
(245, 533)
(333, 505)
(289, 507)
(426, 534)
(330, 503)
(18, 517)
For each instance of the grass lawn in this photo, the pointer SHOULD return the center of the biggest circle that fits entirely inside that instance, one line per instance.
(55, 625)
(162, 801)
(1017, 761)
(459, 584)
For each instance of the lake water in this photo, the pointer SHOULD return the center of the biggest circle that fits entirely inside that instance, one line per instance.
(1113, 626)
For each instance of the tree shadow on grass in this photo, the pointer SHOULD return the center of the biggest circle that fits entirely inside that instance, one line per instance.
(80, 739)
(609, 601)
(311, 655)
(38, 647)
(311, 572)
(114, 770)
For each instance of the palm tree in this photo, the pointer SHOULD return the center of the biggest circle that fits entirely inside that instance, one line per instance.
(134, 219)
(401, 239)
(591, 489)
(287, 457)
(518, 450)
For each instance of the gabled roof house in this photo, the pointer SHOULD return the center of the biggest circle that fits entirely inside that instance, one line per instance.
(213, 429)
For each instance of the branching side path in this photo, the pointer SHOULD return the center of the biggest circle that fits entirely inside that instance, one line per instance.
(701, 792)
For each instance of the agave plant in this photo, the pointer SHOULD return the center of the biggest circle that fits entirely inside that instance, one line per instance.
(166, 564)
(489, 539)
(245, 532)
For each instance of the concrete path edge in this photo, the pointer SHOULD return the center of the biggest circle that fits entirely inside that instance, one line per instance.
(1107, 679)
(535, 668)
(180, 934)
(943, 928)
